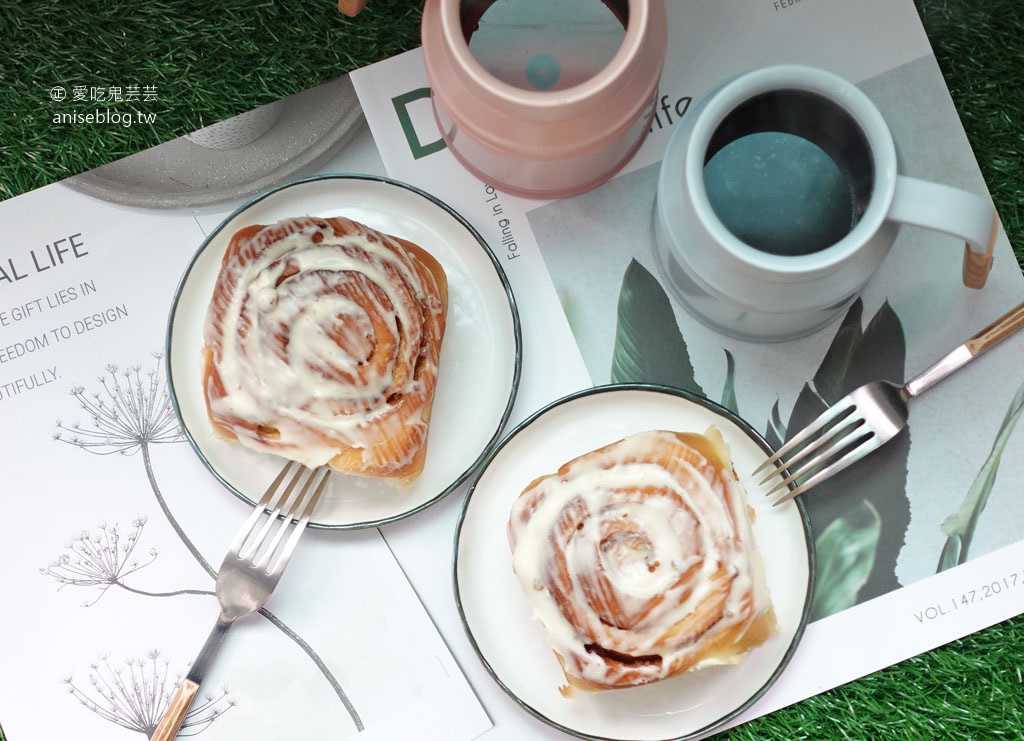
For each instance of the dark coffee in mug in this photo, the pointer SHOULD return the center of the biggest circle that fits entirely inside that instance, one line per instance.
(788, 172)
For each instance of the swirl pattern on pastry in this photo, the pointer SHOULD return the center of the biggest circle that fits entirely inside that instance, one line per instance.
(639, 560)
(322, 343)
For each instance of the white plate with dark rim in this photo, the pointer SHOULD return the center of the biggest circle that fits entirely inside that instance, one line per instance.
(512, 644)
(481, 353)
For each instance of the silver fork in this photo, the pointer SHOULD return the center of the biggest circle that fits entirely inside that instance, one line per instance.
(250, 571)
(867, 418)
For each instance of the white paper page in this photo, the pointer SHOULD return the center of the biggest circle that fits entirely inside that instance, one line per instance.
(573, 253)
(94, 628)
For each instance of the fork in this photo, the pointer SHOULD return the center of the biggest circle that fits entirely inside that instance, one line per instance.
(867, 418)
(250, 571)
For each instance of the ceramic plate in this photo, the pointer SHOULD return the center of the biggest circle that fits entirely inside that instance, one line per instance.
(512, 644)
(480, 353)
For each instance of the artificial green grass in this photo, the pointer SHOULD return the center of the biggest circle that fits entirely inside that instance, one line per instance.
(970, 689)
(207, 61)
(212, 60)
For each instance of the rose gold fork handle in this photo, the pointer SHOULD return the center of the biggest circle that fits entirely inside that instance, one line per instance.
(999, 330)
(178, 708)
(992, 335)
(176, 711)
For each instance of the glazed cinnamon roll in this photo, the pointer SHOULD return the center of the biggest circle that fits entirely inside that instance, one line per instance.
(321, 344)
(639, 560)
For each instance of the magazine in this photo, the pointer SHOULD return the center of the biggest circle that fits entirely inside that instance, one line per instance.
(915, 549)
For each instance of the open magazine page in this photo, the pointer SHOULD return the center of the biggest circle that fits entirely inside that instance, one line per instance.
(922, 545)
(119, 529)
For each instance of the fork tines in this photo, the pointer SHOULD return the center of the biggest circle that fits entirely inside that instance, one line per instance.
(281, 506)
(829, 444)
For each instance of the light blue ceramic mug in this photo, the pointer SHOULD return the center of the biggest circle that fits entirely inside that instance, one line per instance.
(779, 196)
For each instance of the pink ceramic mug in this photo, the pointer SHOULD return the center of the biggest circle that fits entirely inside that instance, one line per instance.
(524, 98)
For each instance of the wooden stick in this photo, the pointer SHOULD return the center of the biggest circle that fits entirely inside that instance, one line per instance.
(351, 8)
(977, 266)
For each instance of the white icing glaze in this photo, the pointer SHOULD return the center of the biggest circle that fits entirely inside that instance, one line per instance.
(316, 338)
(653, 537)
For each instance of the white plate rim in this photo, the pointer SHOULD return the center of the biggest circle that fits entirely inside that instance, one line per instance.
(473, 233)
(714, 408)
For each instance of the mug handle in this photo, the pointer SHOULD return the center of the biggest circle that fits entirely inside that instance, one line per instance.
(953, 211)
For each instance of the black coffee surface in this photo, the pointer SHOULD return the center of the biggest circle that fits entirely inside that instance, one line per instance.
(780, 193)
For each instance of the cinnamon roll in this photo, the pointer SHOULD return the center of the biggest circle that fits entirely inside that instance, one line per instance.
(321, 344)
(639, 560)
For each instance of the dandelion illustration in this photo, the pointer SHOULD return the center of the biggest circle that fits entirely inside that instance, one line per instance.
(132, 413)
(135, 694)
(99, 559)
(104, 558)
